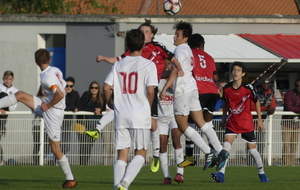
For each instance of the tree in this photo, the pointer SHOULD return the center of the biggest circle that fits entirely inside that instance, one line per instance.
(59, 6)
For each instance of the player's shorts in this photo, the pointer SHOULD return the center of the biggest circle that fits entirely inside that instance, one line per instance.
(165, 126)
(248, 137)
(186, 103)
(154, 107)
(53, 119)
(139, 138)
(208, 101)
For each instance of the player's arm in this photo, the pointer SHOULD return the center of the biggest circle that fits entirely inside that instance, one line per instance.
(110, 60)
(225, 109)
(150, 94)
(108, 95)
(178, 66)
(57, 97)
(259, 118)
(170, 81)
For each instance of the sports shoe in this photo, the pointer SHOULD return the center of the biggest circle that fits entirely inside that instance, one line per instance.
(121, 187)
(214, 163)
(263, 178)
(154, 164)
(179, 178)
(223, 155)
(188, 161)
(209, 158)
(218, 177)
(94, 134)
(69, 184)
(167, 181)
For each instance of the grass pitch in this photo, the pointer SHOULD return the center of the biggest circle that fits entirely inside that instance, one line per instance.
(101, 177)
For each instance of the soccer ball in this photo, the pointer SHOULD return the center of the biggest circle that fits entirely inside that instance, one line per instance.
(172, 7)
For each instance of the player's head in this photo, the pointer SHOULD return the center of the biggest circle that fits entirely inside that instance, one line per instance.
(70, 84)
(135, 40)
(8, 78)
(196, 41)
(148, 30)
(238, 70)
(297, 85)
(42, 56)
(183, 31)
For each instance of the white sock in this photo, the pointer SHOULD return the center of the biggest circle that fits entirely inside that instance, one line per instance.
(197, 139)
(119, 171)
(163, 157)
(210, 133)
(65, 167)
(133, 169)
(8, 101)
(105, 119)
(178, 154)
(226, 146)
(155, 142)
(255, 154)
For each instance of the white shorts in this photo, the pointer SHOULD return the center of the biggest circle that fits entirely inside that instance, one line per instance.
(186, 103)
(139, 137)
(53, 119)
(166, 125)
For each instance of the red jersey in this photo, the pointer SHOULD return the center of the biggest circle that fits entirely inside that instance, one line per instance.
(240, 119)
(203, 71)
(157, 53)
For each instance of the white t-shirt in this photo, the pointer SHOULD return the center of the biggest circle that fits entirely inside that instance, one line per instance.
(9, 91)
(51, 79)
(130, 77)
(165, 107)
(187, 82)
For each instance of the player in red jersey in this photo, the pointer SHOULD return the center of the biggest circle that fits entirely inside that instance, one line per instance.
(238, 96)
(205, 74)
(157, 53)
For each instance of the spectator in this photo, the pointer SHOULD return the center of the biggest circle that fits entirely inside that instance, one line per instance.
(266, 97)
(72, 104)
(6, 89)
(291, 125)
(91, 101)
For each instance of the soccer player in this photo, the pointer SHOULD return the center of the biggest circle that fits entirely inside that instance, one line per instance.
(133, 79)
(237, 101)
(52, 110)
(186, 99)
(205, 74)
(157, 53)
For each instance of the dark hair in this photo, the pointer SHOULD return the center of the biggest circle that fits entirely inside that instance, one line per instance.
(99, 98)
(42, 56)
(296, 81)
(196, 41)
(8, 73)
(135, 40)
(187, 28)
(223, 81)
(152, 27)
(239, 64)
(70, 79)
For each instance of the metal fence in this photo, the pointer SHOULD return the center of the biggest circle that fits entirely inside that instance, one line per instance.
(25, 143)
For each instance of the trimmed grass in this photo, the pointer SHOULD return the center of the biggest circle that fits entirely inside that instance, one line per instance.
(101, 177)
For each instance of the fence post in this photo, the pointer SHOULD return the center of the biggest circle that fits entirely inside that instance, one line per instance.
(41, 153)
(270, 123)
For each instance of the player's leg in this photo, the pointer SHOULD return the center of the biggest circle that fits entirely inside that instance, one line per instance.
(105, 119)
(19, 96)
(178, 153)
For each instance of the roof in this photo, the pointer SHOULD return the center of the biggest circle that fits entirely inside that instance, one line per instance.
(227, 48)
(286, 46)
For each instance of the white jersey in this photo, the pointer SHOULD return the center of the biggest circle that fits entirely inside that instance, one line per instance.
(187, 82)
(130, 77)
(9, 91)
(165, 107)
(51, 79)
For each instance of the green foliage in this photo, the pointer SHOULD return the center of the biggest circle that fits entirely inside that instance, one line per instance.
(59, 6)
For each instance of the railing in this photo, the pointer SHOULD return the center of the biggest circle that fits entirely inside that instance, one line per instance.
(25, 144)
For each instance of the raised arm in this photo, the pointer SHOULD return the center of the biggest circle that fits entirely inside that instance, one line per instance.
(110, 60)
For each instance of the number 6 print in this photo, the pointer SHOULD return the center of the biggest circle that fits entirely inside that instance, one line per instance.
(129, 82)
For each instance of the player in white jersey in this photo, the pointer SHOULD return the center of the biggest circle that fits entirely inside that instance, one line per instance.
(7, 87)
(133, 79)
(186, 98)
(52, 110)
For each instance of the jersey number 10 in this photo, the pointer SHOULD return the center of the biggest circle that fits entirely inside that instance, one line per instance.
(129, 82)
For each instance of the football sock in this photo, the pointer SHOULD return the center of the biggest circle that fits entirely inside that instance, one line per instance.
(105, 119)
(212, 136)
(163, 157)
(155, 142)
(178, 154)
(197, 139)
(8, 101)
(133, 168)
(119, 171)
(65, 167)
(255, 154)
(189, 145)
